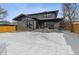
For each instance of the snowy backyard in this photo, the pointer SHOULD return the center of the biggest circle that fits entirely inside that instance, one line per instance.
(38, 43)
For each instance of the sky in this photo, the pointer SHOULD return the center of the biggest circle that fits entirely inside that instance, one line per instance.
(15, 9)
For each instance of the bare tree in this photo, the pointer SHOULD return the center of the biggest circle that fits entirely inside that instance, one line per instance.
(70, 11)
(3, 13)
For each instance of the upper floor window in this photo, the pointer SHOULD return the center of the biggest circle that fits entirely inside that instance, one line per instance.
(44, 15)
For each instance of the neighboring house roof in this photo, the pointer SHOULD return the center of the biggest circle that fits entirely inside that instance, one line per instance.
(4, 22)
(75, 20)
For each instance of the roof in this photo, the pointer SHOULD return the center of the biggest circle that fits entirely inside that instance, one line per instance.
(46, 12)
(24, 15)
(20, 16)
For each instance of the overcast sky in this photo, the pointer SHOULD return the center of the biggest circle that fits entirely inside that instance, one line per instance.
(14, 9)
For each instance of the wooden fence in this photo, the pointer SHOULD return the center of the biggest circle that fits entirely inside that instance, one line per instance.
(75, 27)
(8, 28)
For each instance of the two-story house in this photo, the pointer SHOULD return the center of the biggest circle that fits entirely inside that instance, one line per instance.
(40, 20)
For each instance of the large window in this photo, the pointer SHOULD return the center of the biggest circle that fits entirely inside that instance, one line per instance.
(29, 23)
(49, 15)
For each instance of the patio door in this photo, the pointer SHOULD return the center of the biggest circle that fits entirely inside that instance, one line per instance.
(49, 25)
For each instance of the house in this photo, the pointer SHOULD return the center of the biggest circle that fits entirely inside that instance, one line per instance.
(40, 20)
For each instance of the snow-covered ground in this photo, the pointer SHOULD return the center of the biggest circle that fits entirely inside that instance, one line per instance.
(36, 43)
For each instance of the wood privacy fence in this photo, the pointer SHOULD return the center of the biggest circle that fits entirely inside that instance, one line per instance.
(75, 27)
(8, 28)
